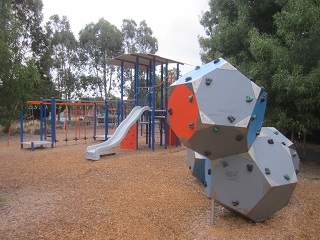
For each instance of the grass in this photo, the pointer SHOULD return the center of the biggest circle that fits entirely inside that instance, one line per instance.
(2, 199)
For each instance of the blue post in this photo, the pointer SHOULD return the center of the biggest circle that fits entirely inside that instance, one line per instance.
(41, 119)
(136, 95)
(94, 120)
(106, 120)
(21, 124)
(121, 92)
(153, 101)
(166, 113)
(53, 122)
(45, 121)
(161, 104)
(177, 77)
(119, 112)
(136, 83)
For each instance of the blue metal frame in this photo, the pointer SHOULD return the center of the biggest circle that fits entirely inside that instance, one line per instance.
(153, 107)
(106, 120)
(21, 124)
(121, 92)
(53, 122)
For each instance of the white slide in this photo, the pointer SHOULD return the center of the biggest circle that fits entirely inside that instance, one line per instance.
(94, 152)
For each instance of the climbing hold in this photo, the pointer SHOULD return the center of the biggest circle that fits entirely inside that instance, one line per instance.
(258, 132)
(225, 164)
(205, 184)
(251, 79)
(190, 98)
(207, 153)
(249, 99)
(253, 117)
(231, 118)
(215, 129)
(239, 137)
(208, 81)
(267, 171)
(287, 177)
(170, 111)
(216, 60)
(297, 171)
(197, 68)
(263, 98)
(276, 132)
(250, 167)
(270, 141)
(283, 143)
(209, 171)
(188, 79)
(191, 125)
(190, 167)
(294, 154)
(235, 202)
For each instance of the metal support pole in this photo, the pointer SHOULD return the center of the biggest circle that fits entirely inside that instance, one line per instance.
(41, 119)
(177, 77)
(106, 120)
(166, 108)
(121, 92)
(153, 101)
(21, 124)
(161, 105)
(136, 83)
(94, 120)
(53, 122)
(212, 213)
(45, 121)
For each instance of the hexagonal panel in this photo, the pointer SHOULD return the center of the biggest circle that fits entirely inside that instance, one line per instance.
(183, 111)
(224, 93)
(218, 141)
(279, 137)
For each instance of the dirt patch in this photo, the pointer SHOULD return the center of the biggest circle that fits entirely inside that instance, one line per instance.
(58, 194)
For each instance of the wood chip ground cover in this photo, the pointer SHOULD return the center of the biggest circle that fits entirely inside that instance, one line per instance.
(58, 194)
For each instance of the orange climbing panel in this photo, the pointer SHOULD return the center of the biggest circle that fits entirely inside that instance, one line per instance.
(183, 111)
(130, 140)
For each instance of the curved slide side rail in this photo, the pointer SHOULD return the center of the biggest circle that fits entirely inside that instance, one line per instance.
(94, 152)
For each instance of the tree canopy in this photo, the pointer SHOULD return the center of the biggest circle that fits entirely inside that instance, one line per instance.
(46, 59)
(276, 42)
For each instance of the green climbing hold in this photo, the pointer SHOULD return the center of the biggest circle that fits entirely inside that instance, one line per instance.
(225, 164)
(249, 99)
(253, 117)
(276, 132)
(197, 67)
(287, 177)
(215, 129)
(190, 98)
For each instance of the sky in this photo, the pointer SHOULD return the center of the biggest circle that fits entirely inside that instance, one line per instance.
(175, 23)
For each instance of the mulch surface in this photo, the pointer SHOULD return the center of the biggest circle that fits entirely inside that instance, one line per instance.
(58, 194)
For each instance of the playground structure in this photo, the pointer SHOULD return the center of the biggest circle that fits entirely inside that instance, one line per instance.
(218, 113)
(145, 95)
(147, 92)
(75, 117)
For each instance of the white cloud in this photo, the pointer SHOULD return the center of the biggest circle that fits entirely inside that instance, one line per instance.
(175, 23)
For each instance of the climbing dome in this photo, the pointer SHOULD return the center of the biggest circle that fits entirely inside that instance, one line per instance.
(217, 112)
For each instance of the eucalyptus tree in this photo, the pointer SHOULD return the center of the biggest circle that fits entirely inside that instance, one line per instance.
(275, 42)
(18, 72)
(136, 39)
(291, 60)
(64, 53)
(99, 42)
